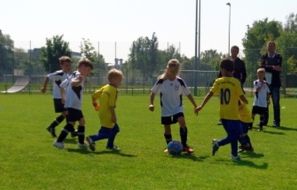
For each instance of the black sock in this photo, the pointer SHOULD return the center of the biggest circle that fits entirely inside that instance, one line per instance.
(168, 138)
(81, 134)
(68, 128)
(58, 120)
(183, 131)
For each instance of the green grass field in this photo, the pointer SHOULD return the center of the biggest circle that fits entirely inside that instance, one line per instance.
(29, 161)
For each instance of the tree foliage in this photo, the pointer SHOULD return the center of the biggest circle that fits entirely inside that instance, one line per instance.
(88, 50)
(6, 54)
(54, 49)
(255, 40)
(144, 56)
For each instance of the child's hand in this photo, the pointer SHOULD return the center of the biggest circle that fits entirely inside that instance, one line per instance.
(43, 90)
(198, 108)
(151, 107)
(96, 106)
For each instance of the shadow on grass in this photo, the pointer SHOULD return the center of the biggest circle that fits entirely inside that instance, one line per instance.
(273, 132)
(252, 154)
(192, 157)
(287, 128)
(119, 153)
(246, 163)
(70, 141)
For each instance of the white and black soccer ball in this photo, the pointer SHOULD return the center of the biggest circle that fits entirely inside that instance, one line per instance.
(174, 147)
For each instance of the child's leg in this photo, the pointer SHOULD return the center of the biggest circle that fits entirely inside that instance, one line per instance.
(67, 129)
(167, 133)
(233, 130)
(183, 131)
(81, 131)
(57, 121)
(112, 136)
(103, 133)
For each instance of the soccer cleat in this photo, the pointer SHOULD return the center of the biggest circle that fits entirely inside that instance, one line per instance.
(165, 150)
(235, 158)
(276, 125)
(59, 145)
(52, 131)
(188, 149)
(91, 143)
(114, 148)
(215, 146)
(82, 146)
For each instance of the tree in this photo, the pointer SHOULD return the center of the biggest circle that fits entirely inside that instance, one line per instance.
(55, 48)
(87, 49)
(6, 54)
(212, 58)
(144, 57)
(255, 42)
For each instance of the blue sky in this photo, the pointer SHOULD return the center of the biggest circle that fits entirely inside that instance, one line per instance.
(123, 21)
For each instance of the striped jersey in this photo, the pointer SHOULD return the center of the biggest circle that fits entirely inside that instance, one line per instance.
(171, 92)
(73, 93)
(57, 78)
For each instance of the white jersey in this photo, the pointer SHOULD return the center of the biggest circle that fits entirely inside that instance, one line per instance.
(57, 78)
(260, 98)
(73, 93)
(171, 92)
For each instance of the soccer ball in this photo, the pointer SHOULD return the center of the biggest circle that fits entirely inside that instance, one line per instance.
(174, 147)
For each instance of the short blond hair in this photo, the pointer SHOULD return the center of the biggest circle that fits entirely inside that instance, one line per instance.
(85, 62)
(64, 59)
(114, 73)
(261, 70)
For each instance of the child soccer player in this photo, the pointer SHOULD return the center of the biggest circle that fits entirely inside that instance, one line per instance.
(230, 92)
(57, 77)
(107, 96)
(261, 98)
(246, 121)
(171, 88)
(73, 102)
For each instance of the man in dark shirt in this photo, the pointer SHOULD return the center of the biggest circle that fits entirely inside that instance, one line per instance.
(272, 63)
(239, 66)
(239, 71)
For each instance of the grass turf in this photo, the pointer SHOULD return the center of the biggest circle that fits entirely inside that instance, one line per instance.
(29, 161)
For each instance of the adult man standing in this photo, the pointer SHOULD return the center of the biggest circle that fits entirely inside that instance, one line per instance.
(272, 63)
(239, 66)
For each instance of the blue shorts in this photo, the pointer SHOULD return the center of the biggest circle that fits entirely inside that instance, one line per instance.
(233, 127)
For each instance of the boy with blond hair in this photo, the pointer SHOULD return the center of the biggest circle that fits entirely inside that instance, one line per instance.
(261, 98)
(107, 96)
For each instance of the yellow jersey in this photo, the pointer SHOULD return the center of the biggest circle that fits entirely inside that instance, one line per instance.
(107, 96)
(229, 90)
(245, 114)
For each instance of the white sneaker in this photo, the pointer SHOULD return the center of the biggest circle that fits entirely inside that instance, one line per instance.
(235, 158)
(59, 145)
(82, 146)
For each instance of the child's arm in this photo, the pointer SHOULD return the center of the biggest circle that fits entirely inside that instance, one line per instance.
(63, 95)
(207, 97)
(95, 96)
(43, 89)
(113, 115)
(152, 98)
(243, 99)
(77, 81)
(193, 102)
